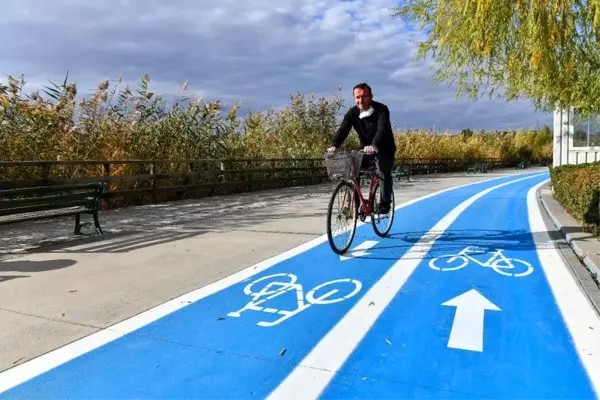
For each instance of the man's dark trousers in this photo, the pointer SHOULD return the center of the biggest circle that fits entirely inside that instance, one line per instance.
(384, 164)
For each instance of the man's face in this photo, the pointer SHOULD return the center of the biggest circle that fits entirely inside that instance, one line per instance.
(362, 99)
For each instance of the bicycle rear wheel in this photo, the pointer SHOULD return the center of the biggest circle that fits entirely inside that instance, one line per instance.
(387, 220)
(348, 215)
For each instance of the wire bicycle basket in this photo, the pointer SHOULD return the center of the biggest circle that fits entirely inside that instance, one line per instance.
(343, 164)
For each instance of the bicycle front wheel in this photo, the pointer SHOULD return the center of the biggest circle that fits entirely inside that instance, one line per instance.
(345, 212)
(382, 223)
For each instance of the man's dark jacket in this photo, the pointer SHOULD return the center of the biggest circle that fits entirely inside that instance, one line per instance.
(375, 130)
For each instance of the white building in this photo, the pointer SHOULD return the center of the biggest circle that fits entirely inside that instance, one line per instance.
(575, 143)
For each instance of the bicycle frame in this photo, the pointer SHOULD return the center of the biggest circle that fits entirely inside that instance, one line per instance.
(365, 203)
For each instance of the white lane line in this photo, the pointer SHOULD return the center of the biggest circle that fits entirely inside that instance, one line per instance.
(317, 369)
(34, 367)
(578, 313)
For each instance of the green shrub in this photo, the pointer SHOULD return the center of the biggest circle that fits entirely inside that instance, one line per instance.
(577, 189)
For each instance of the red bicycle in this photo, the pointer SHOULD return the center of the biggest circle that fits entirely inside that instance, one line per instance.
(345, 167)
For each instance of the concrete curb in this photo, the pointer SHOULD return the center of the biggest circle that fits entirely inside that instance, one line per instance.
(592, 268)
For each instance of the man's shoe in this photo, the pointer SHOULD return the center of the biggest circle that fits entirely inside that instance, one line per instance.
(383, 208)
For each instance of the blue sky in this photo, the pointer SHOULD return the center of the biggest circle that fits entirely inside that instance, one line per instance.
(255, 52)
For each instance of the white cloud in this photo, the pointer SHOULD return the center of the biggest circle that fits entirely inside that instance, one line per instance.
(256, 51)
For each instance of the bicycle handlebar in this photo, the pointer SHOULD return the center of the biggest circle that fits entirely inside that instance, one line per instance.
(350, 152)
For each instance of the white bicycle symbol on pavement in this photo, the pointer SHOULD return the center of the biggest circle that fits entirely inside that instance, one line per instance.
(498, 262)
(262, 292)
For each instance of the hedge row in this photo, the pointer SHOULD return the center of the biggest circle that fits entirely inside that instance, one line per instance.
(577, 189)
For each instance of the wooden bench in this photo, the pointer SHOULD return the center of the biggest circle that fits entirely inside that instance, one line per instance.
(43, 202)
(474, 168)
(483, 167)
(400, 171)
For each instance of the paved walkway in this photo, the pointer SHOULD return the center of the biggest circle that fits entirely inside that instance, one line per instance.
(18, 238)
(242, 212)
(168, 303)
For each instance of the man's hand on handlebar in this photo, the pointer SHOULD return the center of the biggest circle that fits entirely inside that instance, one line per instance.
(367, 149)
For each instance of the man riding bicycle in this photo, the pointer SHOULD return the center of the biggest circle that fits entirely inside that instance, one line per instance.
(371, 120)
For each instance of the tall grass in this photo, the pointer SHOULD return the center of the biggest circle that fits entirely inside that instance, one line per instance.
(118, 122)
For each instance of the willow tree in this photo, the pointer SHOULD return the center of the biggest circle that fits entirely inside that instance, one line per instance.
(547, 51)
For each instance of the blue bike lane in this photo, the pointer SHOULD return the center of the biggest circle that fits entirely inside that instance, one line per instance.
(460, 328)
(233, 345)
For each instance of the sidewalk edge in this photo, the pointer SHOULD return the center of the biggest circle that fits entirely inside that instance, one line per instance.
(592, 268)
(586, 264)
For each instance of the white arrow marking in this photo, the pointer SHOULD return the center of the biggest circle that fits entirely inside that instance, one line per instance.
(360, 250)
(467, 328)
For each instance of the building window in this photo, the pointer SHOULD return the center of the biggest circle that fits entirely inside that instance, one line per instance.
(586, 132)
